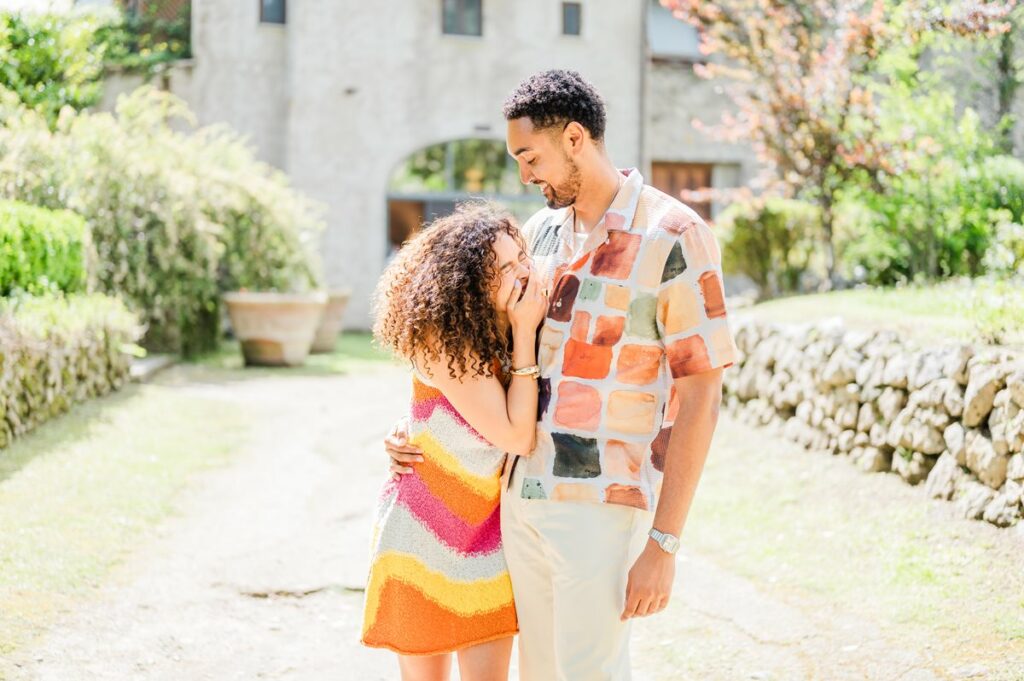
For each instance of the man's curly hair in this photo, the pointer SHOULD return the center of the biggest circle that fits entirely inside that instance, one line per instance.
(434, 299)
(556, 98)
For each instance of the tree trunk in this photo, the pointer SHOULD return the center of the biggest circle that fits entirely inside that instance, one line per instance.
(830, 249)
(1006, 75)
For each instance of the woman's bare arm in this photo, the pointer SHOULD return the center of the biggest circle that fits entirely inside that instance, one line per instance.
(507, 419)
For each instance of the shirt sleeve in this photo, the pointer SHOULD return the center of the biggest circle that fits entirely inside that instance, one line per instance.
(533, 229)
(528, 230)
(691, 316)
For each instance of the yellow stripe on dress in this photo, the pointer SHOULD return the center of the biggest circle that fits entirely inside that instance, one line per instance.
(486, 486)
(488, 594)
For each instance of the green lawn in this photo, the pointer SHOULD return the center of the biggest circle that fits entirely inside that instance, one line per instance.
(79, 492)
(356, 351)
(982, 311)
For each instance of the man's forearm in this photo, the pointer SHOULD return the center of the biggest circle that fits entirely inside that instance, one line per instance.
(700, 398)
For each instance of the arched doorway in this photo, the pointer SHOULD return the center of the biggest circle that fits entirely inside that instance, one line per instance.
(430, 182)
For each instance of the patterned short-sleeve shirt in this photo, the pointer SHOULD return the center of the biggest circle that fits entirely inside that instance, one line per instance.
(641, 304)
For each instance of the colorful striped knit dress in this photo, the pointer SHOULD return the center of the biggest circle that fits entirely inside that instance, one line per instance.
(438, 580)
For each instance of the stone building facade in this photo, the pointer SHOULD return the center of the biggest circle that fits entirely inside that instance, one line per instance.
(344, 96)
(341, 94)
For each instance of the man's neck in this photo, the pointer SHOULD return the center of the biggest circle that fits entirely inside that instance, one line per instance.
(596, 193)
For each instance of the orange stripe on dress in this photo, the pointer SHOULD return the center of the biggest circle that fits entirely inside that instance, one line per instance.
(405, 614)
(461, 499)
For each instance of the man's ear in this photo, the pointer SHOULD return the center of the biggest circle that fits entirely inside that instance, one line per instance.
(573, 137)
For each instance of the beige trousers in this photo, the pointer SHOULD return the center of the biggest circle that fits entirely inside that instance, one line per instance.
(569, 562)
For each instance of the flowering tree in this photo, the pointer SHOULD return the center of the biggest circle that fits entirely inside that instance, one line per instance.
(805, 80)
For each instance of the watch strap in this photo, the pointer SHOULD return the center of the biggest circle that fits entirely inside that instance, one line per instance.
(668, 543)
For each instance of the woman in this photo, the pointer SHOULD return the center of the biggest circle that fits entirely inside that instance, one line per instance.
(459, 303)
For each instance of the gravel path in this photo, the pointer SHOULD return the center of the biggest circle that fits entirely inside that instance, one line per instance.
(258, 574)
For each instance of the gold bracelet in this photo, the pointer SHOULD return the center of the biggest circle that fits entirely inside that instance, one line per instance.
(532, 371)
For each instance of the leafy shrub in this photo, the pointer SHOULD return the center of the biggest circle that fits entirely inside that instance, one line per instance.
(51, 61)
(56, 60)
(264, 227)
(1005, 257)
(995, 308)
(41, 250)
(143, 41)
(175, 217)
(56, 350)
(1001, 182)
(940, 225)
(773, 241)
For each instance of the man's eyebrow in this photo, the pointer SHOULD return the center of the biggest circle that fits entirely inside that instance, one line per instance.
(521, 150)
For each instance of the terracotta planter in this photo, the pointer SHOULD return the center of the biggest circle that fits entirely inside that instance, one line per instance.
(275, 329)
(330, 326)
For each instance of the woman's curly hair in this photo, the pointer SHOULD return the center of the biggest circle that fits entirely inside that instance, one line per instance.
(434, 298)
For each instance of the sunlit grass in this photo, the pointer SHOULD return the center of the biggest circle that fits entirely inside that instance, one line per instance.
(355, 351)
(77, 494)
(978, 310)
(804, 522)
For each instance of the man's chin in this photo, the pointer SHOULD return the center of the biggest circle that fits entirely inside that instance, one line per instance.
(556, 204)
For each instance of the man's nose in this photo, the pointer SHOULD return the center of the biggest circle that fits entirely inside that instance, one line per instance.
(525, 176)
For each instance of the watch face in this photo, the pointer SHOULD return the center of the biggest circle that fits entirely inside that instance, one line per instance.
(671, 544)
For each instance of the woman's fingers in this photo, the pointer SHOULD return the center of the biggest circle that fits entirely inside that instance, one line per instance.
(532, 285)
(513, 296)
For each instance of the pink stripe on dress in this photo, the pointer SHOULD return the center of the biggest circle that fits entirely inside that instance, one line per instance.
(444, 524)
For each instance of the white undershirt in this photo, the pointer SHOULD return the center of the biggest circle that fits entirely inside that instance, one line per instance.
(578, 239)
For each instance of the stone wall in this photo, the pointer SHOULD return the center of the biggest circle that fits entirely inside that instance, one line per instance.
(951, 416)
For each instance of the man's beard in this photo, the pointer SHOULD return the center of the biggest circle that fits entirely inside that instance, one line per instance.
(566, 193)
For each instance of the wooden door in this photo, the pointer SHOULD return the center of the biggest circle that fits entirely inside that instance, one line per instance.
(673, 178)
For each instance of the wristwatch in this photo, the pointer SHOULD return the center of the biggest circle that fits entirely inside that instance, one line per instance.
(669, 543)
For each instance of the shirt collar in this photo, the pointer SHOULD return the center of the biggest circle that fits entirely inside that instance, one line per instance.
(622, 211)
(622, 206)
(618, 217)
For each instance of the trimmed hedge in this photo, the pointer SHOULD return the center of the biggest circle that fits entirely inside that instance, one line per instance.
(57, 350)
(41, 251)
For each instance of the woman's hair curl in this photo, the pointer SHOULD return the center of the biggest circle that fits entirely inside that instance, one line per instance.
(434, 299)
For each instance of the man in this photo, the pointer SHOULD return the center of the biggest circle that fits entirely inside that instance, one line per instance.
(636, 333)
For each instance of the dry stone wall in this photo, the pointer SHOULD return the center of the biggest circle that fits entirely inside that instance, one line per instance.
(951, 417)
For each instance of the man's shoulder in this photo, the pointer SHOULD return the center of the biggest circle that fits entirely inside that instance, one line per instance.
(662, 215)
